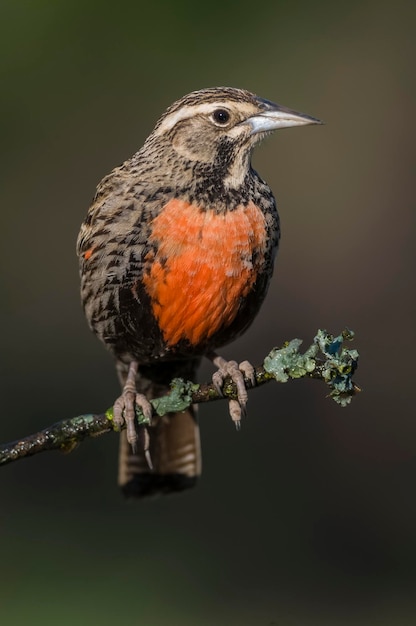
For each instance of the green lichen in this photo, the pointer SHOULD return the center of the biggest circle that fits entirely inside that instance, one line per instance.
(336, 367)
(339, 366)
(109, 413)
(179, 398)
(287, 362)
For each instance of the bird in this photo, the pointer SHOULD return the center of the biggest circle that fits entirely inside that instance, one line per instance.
(176, 255)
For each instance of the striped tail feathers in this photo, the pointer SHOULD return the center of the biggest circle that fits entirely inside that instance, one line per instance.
(174, 441)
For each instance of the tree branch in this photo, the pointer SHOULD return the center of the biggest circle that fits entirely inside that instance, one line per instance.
(326, 359)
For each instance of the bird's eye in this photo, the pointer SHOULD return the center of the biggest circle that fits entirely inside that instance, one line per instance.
(221, 117)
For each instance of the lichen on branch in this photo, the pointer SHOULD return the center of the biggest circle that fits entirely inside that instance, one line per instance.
(327, 359)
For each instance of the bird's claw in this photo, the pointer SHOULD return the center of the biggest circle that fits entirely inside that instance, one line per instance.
(124, 408)
(236, 372)
(124, 412)
(248, 370)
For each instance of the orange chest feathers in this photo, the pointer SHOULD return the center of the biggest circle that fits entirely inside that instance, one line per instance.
(204, 264)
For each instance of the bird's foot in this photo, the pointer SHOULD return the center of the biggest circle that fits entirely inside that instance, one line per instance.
(124, 410)
(237, 373)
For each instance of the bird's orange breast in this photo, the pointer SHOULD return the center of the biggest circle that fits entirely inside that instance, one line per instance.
(203, 265)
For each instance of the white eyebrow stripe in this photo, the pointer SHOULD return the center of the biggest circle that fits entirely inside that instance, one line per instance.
(188, 111)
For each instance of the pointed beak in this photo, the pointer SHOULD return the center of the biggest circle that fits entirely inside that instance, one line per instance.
(278, 117)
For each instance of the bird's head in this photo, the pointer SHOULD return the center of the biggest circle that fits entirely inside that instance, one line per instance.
(218, 127)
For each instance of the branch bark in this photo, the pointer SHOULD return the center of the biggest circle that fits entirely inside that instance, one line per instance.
(326, 360)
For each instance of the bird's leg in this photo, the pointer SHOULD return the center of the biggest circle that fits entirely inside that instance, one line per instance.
(124, 409)
(236, 372)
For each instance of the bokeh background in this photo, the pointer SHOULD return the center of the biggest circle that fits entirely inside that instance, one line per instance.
(307, 516)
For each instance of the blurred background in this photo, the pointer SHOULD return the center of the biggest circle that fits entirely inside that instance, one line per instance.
(307, 516)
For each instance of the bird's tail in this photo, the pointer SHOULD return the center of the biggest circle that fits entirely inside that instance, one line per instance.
(174, 444)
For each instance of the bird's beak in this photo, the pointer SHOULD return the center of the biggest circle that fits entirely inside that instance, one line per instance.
(278, 117)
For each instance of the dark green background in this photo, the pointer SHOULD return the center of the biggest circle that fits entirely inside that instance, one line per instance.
(307, 516)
